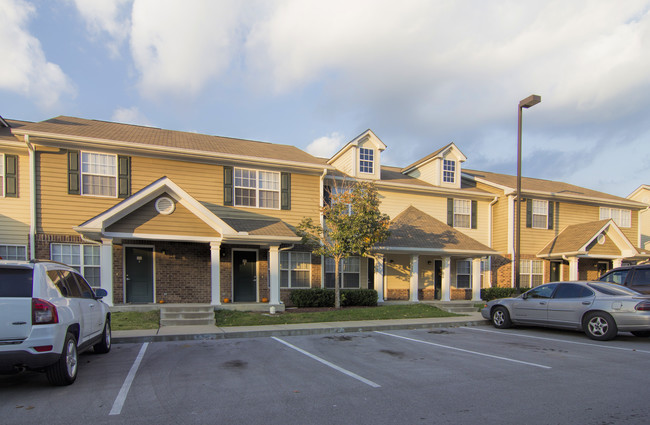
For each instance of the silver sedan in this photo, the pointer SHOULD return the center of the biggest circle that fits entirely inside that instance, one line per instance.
(600, 309)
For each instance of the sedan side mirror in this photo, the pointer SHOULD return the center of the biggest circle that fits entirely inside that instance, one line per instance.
(100, 293)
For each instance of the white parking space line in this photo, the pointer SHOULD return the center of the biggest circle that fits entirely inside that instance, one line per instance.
(559, 340)
(121, 396)
(465, 351)
(332, 365)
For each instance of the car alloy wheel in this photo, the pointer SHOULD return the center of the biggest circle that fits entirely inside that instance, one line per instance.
(600, 326)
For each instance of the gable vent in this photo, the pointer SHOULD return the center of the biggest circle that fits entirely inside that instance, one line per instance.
(165, 205)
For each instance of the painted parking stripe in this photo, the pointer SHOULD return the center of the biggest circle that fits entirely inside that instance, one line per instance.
(559, 340)
(124, 391)
(465, 351)
(332, 365)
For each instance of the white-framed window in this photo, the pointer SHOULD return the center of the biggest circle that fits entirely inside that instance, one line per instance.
(531, 273)
(98, 174)
(256, 188)
(623, 218)
(13, 252)
(540, 214)
(366, 160)
(349, 271)
(462, 213)
(464, 274)
(295, 269)
(84, 258)
(448, 171)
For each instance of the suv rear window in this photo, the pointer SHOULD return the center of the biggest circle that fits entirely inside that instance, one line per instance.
(16, 282)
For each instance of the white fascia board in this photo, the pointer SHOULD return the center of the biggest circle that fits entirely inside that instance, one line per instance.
(389, 250)
(239, 238)
(160, 237)
(621, 237)
(173, 152)
(639, 189)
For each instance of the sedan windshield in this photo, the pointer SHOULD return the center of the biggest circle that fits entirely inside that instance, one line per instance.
(615, 290)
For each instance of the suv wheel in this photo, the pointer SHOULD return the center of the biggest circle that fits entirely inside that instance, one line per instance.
(104, 346)
(64, 371)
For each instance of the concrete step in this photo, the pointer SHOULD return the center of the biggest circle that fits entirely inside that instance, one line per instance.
(187, 315)
(186, 322)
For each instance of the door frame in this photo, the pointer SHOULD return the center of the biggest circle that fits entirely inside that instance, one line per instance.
(153, 265)
(257, 272)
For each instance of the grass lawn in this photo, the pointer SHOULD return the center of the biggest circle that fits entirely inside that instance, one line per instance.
(243, 318)
(128, 320)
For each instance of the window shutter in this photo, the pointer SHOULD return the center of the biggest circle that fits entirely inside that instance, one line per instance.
(474, 214)
(450, 212)
(123, 176)
(529, 213)
(227, 186)
(327, 190)
(73, 173)
(550, 215)
(285, 191)
(11, 176)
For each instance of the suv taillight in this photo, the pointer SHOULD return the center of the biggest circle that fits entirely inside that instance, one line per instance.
(43, 312)
(643, 306)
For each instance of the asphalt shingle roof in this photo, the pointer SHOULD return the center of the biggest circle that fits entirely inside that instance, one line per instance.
(572, 238)
(413, 228)
(102, 130)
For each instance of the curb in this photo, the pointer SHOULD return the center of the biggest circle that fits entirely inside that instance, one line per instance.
(293, 332)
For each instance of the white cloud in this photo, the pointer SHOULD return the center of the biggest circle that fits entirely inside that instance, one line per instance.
(106, 16)
(130, 115)
(24, 68)
(178, 47)
(326, 146)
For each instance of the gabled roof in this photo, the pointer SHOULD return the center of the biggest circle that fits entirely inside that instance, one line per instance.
(576, 239)
(643, 187)
(437, 154)
(139, 137)
(5, 130)
(548, 188)
(368, 134)
(416, 231)
(256, 229)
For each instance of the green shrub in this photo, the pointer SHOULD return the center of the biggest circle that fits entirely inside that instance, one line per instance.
(362, 297)
(303, 298)
(312, 298)
(488, 294)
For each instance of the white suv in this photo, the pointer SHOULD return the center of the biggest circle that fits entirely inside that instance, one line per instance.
(49, 314)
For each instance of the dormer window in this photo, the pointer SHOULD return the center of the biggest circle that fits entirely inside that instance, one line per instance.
(448, 171)
(366, 160)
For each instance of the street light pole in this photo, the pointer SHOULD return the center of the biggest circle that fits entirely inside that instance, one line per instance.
(531, 100)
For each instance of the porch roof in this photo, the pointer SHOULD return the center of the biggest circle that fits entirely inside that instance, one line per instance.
(415, 231)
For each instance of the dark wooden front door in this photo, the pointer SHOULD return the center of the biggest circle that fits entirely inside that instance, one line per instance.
(437, 279)
(139, 274)
(244, 268)
(555, 271)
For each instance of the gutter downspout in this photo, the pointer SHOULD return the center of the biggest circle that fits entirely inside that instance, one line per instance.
(322, 224)
(32, 198)
(494, 201)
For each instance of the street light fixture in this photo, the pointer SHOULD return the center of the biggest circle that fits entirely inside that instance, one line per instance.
(531, 100)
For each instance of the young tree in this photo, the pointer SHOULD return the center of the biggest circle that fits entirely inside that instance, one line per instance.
(353, 225)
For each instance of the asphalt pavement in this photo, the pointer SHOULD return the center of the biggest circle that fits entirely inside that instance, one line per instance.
(184, 333)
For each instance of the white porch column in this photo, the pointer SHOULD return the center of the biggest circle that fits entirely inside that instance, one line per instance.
(215, 272)
(446, 279)
(415, 259)
(573, 268)
(476, 279)
(274, 275)
(617, 262)
(106, 269)
(379, 277)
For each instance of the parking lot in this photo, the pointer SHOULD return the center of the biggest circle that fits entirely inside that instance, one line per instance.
(461, 375)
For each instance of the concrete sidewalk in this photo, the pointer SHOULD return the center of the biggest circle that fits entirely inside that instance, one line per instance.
(184, 333)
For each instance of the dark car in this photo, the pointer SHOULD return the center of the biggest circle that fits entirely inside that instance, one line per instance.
(634, 277)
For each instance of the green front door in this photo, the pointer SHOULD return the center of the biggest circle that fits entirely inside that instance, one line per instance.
(139, 274)
(244, 276)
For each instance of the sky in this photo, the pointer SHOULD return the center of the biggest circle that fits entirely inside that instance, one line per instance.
(315, 74)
